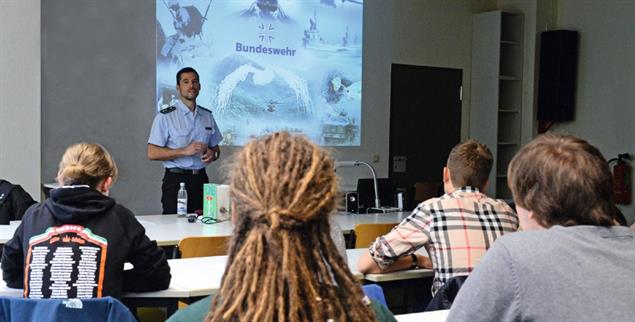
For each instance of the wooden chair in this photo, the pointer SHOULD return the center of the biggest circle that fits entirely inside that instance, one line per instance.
(202, 246)
(365, 234)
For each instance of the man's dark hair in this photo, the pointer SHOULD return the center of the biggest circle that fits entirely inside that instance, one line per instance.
(185, 70)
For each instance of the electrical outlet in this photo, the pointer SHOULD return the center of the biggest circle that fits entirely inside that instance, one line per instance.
(375, 158)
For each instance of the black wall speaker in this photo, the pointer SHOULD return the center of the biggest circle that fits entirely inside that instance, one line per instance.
(558, 68)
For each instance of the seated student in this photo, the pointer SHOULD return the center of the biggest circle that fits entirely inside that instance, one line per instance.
(14, 201)
(456, 229)
(570, 262)
(74, 245)
(282, 263)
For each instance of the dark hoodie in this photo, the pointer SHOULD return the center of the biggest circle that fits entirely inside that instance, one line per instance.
(75, 245)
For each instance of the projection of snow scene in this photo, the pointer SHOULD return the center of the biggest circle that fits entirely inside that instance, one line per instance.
(267, 65)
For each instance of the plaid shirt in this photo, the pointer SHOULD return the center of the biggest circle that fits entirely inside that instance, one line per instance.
(456, 230)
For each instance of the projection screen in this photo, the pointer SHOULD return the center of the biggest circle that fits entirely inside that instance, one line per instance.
(267, 65)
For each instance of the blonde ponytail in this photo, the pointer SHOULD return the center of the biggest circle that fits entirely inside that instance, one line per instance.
(86, 163)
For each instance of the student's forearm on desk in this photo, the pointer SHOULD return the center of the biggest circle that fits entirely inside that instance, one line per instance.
(367, 265)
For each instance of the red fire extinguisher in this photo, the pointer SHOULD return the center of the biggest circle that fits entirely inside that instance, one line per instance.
(622, 182)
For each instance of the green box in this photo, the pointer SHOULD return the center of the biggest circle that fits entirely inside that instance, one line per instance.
(216, 202)
(210, 202)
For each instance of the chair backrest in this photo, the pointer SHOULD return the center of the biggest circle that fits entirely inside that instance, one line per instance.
(201, 246)
(446, 294)
(105, 309)
(376, 293)
(365, 234)
(426, 190)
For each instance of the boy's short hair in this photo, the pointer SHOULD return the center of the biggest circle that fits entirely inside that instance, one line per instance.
(470, 163)
(564, 180)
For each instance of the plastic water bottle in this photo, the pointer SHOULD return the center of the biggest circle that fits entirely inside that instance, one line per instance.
(181, 201)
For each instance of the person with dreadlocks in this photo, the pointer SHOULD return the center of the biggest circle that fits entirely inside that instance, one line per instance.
(282, 263)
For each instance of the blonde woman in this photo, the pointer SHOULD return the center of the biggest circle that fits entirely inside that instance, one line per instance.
(74, 244)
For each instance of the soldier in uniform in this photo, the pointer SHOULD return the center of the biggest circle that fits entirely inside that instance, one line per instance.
(185, 137)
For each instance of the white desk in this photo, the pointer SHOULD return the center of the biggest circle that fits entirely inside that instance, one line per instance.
(432, 316)
(348, 222)
(355, 254)
(174, 291)
(189, 273)
(167, 298)
(167, 230)
(6, 231)
(192, 277)
(201, 276)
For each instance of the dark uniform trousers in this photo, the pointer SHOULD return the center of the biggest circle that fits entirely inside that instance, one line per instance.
(193, 184)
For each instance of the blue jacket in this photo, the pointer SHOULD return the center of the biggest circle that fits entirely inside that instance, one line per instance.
(105, 309)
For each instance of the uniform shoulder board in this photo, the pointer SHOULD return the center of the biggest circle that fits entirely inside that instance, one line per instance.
(204, 109)
(168, 110)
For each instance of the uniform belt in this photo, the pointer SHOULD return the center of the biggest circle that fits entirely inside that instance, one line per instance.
(185, 171)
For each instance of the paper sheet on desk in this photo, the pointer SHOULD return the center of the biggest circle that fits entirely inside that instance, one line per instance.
(431, 316)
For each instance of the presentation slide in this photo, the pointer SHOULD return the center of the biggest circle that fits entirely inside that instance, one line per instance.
(267, 65)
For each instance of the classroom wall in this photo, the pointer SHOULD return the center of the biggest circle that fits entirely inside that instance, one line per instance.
(98, 85)
(98, 77)
(20, 93)
(605, 91)
(438, 34)
(377, 57)
(433, 33)
(104, 54)
(114, 42)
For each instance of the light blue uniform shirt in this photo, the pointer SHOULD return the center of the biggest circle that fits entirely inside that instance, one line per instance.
(178, 128)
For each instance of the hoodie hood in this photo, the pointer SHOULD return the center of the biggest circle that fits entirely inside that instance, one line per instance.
(76, 204)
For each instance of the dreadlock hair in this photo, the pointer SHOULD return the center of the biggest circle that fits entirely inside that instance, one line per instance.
(282, 263)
